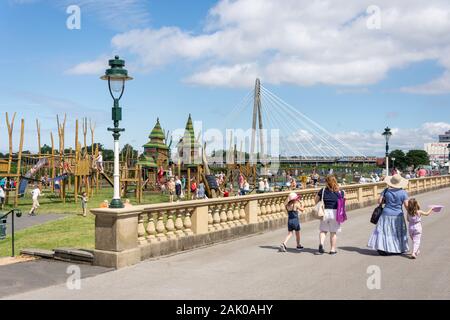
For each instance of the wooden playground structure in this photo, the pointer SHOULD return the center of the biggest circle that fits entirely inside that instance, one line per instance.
(67, 172)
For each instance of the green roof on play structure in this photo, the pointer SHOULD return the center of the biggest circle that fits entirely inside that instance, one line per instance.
(148, 162)
(190, 134)
(156, 138)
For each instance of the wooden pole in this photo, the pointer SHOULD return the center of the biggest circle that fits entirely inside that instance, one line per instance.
(77, 151)
(38, 129)
(10, 126)
(52, 163)
(85, 135)
(19, 160)
(189, 182)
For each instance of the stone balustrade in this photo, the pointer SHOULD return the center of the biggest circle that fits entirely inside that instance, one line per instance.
(127, 236)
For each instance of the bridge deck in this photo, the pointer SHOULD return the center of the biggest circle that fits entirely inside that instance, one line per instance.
(252, 268)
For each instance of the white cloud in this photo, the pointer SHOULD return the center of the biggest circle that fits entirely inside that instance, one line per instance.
(373, 143)
(437, 86)
(94, 67)
(300, 42)
(119, 15)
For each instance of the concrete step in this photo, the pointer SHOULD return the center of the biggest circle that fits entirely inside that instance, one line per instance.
(42, 253)
(75, 255)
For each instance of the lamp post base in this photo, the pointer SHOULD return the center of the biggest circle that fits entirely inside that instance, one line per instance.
(116, 204)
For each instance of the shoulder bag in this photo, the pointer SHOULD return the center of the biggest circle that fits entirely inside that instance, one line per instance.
(319, 209)
(378, 210)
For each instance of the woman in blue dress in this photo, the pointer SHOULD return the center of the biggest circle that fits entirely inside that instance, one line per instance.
(390, 235)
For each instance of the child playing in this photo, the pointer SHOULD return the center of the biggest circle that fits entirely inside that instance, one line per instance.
(415, 225)
(293, 206)
(2, 197)
(84, 200)
(35, 193)
(171, 188)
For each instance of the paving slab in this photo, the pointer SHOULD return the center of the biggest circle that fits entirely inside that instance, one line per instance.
(28, 276)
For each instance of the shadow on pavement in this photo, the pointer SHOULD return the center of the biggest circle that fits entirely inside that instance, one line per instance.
(363, 251)
(292, 250)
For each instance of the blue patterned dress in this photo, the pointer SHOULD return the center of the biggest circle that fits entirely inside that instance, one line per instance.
(390, 234)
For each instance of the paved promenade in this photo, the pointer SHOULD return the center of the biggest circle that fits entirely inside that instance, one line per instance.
(252, 268)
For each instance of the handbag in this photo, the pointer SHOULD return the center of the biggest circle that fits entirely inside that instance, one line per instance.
(378, 211)
(341, 215)
(318, 210)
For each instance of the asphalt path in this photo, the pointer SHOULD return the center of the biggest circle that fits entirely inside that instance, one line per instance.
(253, 268)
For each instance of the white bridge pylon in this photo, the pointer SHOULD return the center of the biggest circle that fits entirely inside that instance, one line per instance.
(299, 135)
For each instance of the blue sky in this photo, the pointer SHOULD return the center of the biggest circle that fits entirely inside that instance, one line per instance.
(173, 50)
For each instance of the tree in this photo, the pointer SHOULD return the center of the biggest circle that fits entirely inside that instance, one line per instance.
(400, 159)
(129, 151)
(417, 158)
(46, 149)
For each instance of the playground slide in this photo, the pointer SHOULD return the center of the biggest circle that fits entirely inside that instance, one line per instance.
(30, 174)
(107, 179)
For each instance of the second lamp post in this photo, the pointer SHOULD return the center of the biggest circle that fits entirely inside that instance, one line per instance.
(116, 76)
(387, 135)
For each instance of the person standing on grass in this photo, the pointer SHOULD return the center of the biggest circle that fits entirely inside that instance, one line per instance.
(171, 189)
(84, 200)
(194, 189)
(294, 206)
(35, 193)
(178, 188)
(2, 197)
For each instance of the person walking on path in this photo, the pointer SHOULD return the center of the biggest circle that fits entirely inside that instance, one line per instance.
(390, 234)
(35, 193)
(293, 206)
(84, 200)
(329, 195)
(415, 225)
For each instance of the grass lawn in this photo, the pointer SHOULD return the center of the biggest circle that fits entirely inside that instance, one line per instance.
(73, 231)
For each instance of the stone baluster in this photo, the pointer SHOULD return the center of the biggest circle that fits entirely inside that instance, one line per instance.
(216, 218)
(141, 229)
(259, 212)
(151, 229)
(188, 222)
(230, 216)
(223, 216)
(242, 213)
(263, 210)
(236, 215)
(170, 225)
(268, 209)
(179, 224)
(274, 208)
(160, 228)
(278, 207)
(210, 219)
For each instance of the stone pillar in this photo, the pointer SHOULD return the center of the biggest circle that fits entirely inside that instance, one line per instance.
(200, 220)
(360, 196)
(251, 211)
(116, 237)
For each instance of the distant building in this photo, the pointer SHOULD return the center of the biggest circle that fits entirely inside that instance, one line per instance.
(445, 138)
(437, 151)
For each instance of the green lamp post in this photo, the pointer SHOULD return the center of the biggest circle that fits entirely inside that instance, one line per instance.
(116, 76)
(387, 135)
